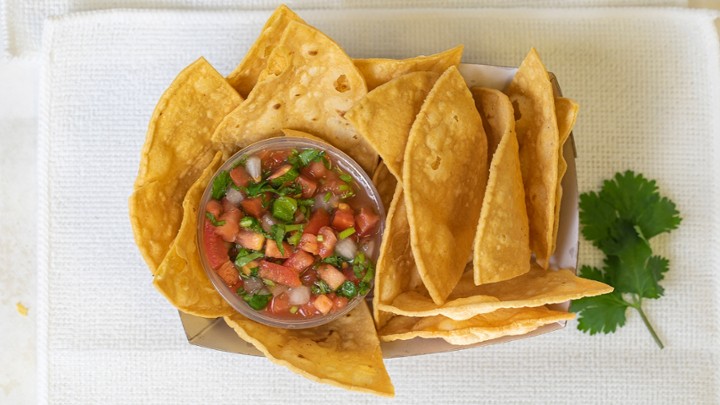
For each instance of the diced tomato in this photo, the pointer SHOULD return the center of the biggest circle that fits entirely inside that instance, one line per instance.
(280, 171)
(231, 227)
(215, 248)
(271, 250)
(366, 222)
(228, 206)
(253, 206)
(273, 159)
(308, 310)
(214, 207)
(240, 176)
(332, 276)
(279, 274)
(280, 304)
(308, 242)
(318, 219)
(326, 247)
(349, 274)
(339, 302)
(316, 170)
(332, 183)
(323, 304)
(308, 186)
(299, 260)
(228, 273)
(309, 277)
(250, 240)
(343, 218)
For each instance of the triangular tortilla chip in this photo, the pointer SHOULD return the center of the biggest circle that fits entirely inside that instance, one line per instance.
(385, 183)
(501, 249)
(480, 328)
(384, 117)
(177, 149)
(566, 111)
(300, 134)
(378, 70)
(534, 288)
(246, 74)
(309, 84)
(181, 276)
(345, 352)
(537, 131)
(444, 177)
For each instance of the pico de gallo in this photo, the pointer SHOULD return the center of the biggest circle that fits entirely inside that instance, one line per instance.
(291, 233)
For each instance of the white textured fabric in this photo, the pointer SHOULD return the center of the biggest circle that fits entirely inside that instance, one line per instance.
(647, 83)
(26, 17)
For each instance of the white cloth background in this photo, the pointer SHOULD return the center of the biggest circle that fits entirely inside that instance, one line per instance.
(647, 82)
(25, 18)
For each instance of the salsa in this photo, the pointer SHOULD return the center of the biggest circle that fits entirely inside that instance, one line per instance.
(291, 233)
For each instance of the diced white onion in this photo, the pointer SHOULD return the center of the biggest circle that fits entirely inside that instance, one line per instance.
(278, 289)
(326, 205)
(346, 248)
(252, 285)
(252, 165)
(234, 196)
(368, 248)
(267, 222)
(299, 295)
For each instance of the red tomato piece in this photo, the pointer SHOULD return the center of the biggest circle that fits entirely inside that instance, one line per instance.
(273, 159)
(332, 276)
(240, 176)
(280, 304)
(316, 170)
(228, 206)
(308, 186)
(339, 302)
(280, 171)
(326, 246)
(250, 240)
(231, 227)
(253, 206)
(344, 217)
(366, 222)
(318, 219)
(215, 248)
(228, 273)
(279, 274)
(332, 183)
(308, 310)
(214, 207)
(299, 260)
(271, 250)
(308, 242)
(323, 304)
(349, 274)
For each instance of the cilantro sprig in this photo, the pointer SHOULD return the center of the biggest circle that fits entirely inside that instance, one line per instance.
(620, 220)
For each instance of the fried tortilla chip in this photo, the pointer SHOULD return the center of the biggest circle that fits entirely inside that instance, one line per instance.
(566, 111)
(309, 84)
(480, 328)
(181, 277)
(384, 117)
(444, 177)
(345, 352)
(501, 249)
(177, 149)
(537, 131)
(377, 71)
(246, 74)
(534, 288)
(395, 271)
(301, 134)
(385, 183)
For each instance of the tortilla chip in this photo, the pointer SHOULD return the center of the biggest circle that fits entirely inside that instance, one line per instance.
(181, 277)
(309, 84)
(444, 178)
(246, 74)
(501, 248)
(537, 131)
(566, 111)
(384, 117)
(177, 149)
(377, 71)
(301, 134)
(345, 352)
(385, 183)
(395, 271)
(480, 328)
(534, 288)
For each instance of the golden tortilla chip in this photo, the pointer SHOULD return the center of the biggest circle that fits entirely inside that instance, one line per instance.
(345, 352)
(501, 249)
(480, 328)
(377, 71)
(301, 134)
(384, 117)
(395, 271)
(181, 277)
(309, 84)
(177, 149)
(534, 288)
(566, 111)
(444, 178)
(246, 74)
(537, 131)
(385, 183)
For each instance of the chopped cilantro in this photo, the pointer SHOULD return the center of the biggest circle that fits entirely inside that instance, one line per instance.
(335, 260)
(220, 184)
(284, 208)
(252, 224)
(256, 189)
(294, 238)
(302, 159)
(277, 233)
(213, 220)
(348, 289)
(245, 256)
(256, 301)
(320, 287)
(289, 176)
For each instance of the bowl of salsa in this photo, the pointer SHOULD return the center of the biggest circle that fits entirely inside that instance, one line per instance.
(289, 231)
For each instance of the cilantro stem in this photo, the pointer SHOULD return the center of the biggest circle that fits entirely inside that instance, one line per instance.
(638, 305)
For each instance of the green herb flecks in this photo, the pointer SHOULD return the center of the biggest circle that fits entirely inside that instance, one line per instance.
(255, 301)
(347, 289)
(245, 256)
(320, 287)
(213, 220)
(220, 184)
(287, 177)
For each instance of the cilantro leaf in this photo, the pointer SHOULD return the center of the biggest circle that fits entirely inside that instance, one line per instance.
(604, 313)
(347, 289)
(277, 233)
(245, 256)
(320, 287)
(220, 184)
(214, 221)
